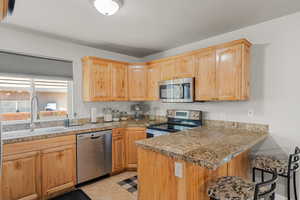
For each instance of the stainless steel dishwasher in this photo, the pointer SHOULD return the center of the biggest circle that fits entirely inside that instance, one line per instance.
(94, 156)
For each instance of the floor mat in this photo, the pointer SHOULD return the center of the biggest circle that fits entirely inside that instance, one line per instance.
(73, 195)
(130, 184)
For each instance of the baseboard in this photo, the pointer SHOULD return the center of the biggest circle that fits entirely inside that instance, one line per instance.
(280, 197)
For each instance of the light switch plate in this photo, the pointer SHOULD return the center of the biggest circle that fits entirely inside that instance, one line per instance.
(178, 170)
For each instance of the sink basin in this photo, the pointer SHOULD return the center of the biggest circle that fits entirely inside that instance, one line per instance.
(47, 130)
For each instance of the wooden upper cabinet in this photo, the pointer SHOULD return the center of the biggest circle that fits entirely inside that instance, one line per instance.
(205, 75)
(137, 82)
(119, 82)
(58, 169)
(21, 176)
(221, 73)
(3, 9)
(185, 67)
(153, 78)
(168, 69)
(96, 80)
(232, 72)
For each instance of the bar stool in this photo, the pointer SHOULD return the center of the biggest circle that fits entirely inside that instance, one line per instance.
(237, 188)
(285, 168)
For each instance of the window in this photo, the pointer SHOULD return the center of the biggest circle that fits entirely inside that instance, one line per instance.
(54, 98)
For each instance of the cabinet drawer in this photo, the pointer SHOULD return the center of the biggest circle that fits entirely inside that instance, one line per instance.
(118, 132)
(37, 145)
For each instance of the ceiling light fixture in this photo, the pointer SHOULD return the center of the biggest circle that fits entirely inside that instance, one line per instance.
(107, 7)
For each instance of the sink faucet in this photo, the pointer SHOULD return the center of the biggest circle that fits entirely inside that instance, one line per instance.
(33, 99)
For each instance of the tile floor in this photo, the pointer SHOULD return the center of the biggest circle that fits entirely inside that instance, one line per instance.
(108, 189)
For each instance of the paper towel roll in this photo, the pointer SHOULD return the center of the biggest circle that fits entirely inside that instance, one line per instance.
(94, 115)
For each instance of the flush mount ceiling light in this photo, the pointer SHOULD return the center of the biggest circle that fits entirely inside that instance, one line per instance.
(107, 7)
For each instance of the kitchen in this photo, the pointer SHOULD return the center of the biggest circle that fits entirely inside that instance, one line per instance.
(100, 79)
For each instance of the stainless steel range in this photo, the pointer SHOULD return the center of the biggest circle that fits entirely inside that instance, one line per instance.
(178, 120)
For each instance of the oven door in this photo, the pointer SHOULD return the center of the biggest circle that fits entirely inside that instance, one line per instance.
(179, 90)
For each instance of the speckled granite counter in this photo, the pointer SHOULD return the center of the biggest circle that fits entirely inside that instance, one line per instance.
(207, 147)
(43, 133)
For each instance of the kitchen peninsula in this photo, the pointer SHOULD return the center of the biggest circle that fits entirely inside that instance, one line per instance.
(181, 165)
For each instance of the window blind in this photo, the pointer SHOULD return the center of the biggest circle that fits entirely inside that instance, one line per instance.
(29, 65)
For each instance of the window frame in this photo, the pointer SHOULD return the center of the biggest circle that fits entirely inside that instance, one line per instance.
(70, 97)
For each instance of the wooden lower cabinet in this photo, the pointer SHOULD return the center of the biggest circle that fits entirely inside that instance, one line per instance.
(157, 178)
(58, 170)
(118, 152)
(21, 177)
(38, 169)
(131, 136)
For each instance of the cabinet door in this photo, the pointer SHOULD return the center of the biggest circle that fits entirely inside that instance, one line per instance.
(137, 82)
(58, 169)
(21, 176)
(3, 9)
(229, 65)
(119, 82)
(168, 69)
(132, 135)
(153, 82)
(101, 80)
(118, 154)
(96, 79)
(205, 80)
(185, 67)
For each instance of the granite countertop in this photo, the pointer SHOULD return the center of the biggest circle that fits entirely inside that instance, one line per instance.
(43, 133)
(206, 147)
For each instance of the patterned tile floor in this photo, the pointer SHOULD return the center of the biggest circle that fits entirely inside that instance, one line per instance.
(109, 189)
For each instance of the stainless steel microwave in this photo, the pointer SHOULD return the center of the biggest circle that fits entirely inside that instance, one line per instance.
(178, 90)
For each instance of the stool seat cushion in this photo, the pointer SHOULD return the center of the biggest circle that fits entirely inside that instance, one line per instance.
(269, 163)
(232, 188)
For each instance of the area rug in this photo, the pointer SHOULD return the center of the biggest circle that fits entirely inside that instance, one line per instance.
(73, 195)
(130, 184)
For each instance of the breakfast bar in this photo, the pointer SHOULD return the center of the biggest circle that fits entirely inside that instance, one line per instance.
(179, 166)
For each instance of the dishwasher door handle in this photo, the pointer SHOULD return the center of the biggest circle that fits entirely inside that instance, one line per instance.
(95, 137)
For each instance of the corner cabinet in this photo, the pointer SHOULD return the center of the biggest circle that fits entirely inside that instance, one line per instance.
(137, 79)
(39, 169)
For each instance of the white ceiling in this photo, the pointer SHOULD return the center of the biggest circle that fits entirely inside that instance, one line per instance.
(144, 27)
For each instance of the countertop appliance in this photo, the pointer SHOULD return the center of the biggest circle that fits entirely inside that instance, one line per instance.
(94, 155)
(107, 115)
(178, 90)
(139, 110)
(178, 120)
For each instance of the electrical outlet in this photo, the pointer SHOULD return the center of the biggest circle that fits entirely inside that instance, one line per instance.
(250, 113)
(178, 170)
